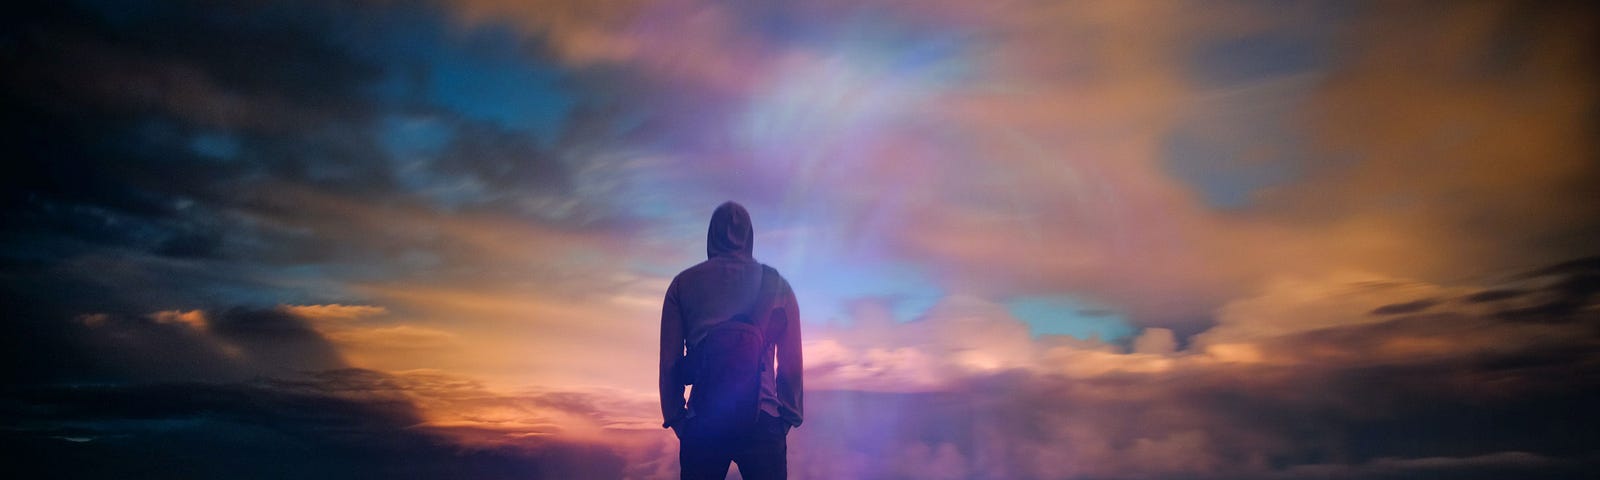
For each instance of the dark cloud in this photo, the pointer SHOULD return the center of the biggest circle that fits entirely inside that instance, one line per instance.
(249, 393)
(240, 393)
(103, 124)
(337, 424)
(1493, 295)
(276, 338)
(486, 168)
(203, 154)
(227, 345)
(1407, 307)
(1555, 293)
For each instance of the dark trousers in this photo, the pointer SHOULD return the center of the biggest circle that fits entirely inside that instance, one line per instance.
(760, 455)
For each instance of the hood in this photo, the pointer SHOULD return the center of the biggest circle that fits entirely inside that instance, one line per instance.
(730, 232)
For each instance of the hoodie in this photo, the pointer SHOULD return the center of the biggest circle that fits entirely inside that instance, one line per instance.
(716, 290)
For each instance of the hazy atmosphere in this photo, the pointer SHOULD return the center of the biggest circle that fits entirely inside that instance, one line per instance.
(1029, 239)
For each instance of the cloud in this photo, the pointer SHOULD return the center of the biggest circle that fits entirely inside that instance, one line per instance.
(374, 343)
(400, 337)
(330, 424)
(959, 335)
(193, 318)
(335, 312)
(916, 406)
(1159, 341)
(1292, 304)
(1475, 87)
(1341, 384)
(227, 345)
(1033, 149)
(1490, 465)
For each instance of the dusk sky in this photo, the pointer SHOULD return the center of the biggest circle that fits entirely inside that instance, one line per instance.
(1029, 239)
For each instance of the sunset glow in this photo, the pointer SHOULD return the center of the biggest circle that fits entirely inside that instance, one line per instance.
(1029, 239)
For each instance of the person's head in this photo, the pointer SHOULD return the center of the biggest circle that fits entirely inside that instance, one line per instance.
(730, 232)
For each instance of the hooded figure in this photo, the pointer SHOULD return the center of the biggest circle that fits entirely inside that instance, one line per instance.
(722, 287)
(730, 232)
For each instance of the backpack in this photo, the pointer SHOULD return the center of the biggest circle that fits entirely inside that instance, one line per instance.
(725, 369)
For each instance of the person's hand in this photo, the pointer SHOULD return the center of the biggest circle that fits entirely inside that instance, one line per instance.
(675, 420)
(677, 427)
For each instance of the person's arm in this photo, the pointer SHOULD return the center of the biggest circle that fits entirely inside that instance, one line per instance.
(672, 406)
(791, 386)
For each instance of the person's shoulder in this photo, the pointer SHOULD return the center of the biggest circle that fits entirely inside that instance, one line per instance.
(692, 271)
(771, 270)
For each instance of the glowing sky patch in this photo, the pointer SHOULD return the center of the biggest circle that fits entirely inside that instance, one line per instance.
(907, 291)
(1065, 315)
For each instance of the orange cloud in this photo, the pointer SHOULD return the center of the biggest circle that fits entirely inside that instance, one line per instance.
(335, 312)
(195, 319)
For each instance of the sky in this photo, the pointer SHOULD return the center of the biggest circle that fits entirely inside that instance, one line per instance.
(1029, 239)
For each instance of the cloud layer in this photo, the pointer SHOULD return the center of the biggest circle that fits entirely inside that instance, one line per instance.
(1032, 239)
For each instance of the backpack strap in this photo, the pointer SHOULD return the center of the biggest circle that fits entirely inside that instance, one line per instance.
(760, 313)
(766, 295)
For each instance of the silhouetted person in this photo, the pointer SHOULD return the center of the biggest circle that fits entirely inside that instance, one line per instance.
(740, 324)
